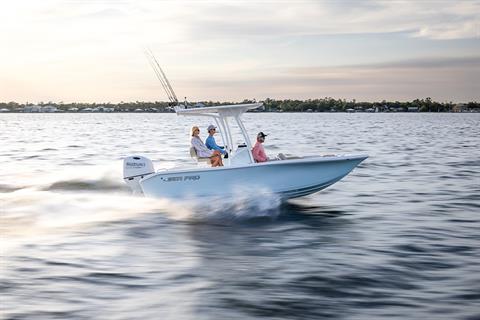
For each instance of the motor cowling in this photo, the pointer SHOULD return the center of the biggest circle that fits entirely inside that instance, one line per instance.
(136, 168)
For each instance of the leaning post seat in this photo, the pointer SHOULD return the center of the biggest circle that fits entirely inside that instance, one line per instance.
(193, 154)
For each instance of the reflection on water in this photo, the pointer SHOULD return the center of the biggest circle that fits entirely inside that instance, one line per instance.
(397, 238)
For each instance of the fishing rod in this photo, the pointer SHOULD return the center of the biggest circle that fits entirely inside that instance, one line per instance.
(166, 79)
(161, 76)
(157, 73)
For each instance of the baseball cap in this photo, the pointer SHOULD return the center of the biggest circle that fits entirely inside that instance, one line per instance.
(210, 127)
(261, 135)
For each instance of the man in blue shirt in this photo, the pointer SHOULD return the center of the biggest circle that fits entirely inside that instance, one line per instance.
(210, 142)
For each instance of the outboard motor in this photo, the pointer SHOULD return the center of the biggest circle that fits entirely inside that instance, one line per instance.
(136, 168)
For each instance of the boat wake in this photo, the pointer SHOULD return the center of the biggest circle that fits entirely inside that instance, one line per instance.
(243, 205)
(46, 206)
(31, 212)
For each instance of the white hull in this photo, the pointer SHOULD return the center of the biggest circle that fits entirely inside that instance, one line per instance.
(288, 178)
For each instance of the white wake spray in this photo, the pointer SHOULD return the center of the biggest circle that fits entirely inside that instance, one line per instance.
(244, 204)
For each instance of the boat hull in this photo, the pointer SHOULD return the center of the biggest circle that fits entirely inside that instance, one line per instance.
(287, 178)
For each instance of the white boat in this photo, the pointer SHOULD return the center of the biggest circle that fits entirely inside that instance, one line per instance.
(288, 177)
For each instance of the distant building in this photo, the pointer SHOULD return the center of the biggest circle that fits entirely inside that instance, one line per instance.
(48, 109)
(40, 109)
(458, 108)
(32, 109)
(4, 110)
(396, 109)
(412, 109)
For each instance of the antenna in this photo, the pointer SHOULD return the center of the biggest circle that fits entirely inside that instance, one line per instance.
(161, 76)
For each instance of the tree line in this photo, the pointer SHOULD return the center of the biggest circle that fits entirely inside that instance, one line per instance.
(341, 105)
(326, 104)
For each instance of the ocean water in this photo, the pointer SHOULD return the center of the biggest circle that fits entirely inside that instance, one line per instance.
(398, 238)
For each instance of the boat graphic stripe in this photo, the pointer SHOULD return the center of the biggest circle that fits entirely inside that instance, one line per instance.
(311, 189)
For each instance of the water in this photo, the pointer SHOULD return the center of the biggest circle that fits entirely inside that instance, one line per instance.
(397, 238)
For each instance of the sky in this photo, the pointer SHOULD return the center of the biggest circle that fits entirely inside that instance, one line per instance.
(230, 50)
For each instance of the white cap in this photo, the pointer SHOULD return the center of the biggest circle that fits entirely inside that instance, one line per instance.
(210, 127)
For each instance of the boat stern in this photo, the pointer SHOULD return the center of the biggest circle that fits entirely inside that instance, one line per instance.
(135, 168)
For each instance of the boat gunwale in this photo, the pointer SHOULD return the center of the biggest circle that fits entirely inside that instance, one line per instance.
(307, 159)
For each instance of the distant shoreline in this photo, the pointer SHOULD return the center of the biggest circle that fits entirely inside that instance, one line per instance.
(260, 112)
(269, 105)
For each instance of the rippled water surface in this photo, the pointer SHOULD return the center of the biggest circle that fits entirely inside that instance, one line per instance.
(398, 238)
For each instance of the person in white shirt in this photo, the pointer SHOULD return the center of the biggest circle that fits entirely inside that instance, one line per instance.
(202, 151)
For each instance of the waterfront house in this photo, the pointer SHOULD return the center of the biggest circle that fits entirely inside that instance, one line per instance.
(458, 107)
(40, 109)
(32, 109)
(48, 109)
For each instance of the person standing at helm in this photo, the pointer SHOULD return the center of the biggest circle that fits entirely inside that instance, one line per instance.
(258, 152)
(211, 143)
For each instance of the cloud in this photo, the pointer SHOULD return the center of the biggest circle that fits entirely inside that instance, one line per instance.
(424, 19)
(418, 63)
(447, 79)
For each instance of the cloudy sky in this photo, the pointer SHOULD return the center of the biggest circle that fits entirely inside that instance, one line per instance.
(93, 50)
